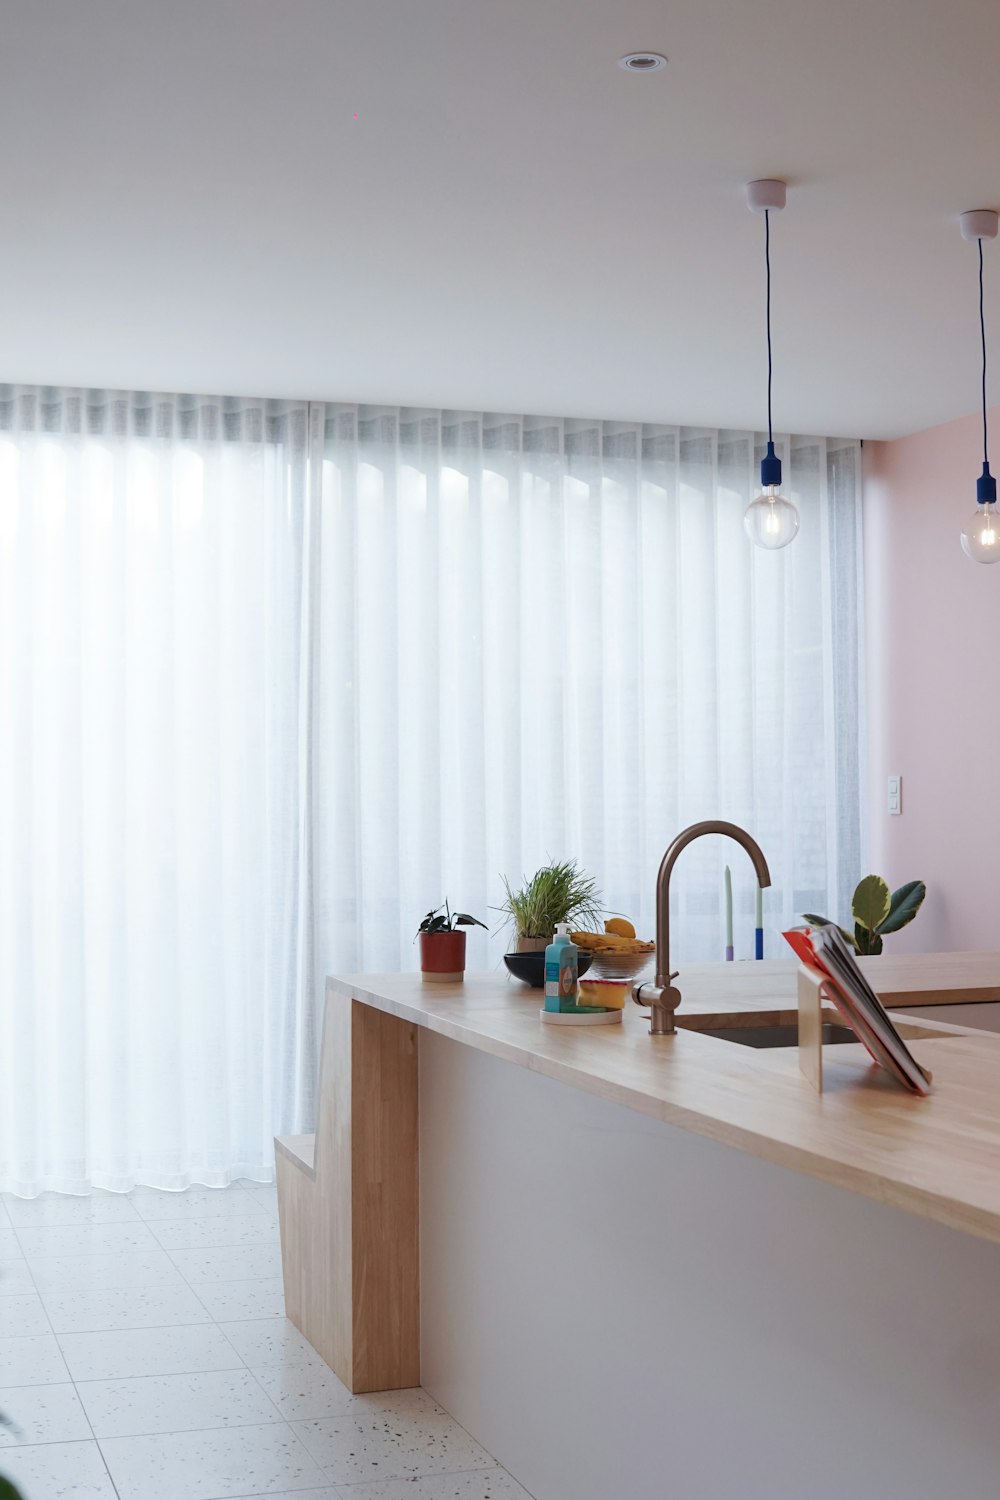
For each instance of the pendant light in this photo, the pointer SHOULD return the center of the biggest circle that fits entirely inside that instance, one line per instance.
(981, 534)
(771, 520)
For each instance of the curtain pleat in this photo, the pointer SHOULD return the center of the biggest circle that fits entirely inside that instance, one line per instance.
(275, 679)
(156, 915)
(551, 638)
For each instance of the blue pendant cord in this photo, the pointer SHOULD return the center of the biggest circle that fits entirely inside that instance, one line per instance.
(767, 263)
(770, 466)
(982, 334)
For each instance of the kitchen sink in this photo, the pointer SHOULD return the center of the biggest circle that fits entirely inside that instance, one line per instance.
(773, 1030)
(767, 1035)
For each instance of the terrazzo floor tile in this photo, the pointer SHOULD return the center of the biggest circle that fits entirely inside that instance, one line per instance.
(303, 1387)
(195, 1203)
(229, 1263)
(160, 1303)
(59, 1471)
(390, 1445)
(36, 1360)
(242, 1299)
(265, 1194)
(132, 1307)
(15, 1278)
(4, 1216)
(266, 1341)
(326, 1492)
(133, 1352)
(60, 1208)
(10, 1246)
(175, 1403)
(197, 1465)
(102, 1271)
(86, 1239)
(21, 1315)
(208, 1234)
(42, 1414)
(481, 1484)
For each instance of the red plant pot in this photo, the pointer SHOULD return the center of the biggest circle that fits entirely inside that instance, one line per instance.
(442, 956)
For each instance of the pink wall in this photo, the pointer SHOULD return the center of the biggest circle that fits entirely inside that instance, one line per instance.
(933, 683)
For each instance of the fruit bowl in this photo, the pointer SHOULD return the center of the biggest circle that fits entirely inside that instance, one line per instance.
(530, 967)
(611, 965)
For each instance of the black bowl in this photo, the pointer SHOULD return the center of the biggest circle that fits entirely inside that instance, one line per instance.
(530, 967)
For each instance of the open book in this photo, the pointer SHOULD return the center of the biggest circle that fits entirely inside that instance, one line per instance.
(826, 953)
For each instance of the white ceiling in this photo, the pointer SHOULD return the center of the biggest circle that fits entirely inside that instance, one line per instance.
(512, 223)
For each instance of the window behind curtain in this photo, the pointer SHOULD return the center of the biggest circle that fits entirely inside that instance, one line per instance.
(275, 679)
(544, 638)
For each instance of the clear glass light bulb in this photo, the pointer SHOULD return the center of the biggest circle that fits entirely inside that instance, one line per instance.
(981, 535)
(771, 520)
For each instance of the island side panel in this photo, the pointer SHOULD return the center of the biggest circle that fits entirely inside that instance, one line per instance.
(315, 1207)
(350, 1230)
(385, 1202)
(613, 1306)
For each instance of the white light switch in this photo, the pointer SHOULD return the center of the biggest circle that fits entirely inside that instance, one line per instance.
(895, 795)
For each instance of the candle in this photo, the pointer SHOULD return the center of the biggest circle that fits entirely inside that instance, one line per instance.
(758, 946)
(728, 879)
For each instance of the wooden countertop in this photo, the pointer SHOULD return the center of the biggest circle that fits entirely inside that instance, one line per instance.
(938, 1157)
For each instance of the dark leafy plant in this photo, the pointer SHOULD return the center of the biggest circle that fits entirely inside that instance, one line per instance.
(876, 913)
(442, 919)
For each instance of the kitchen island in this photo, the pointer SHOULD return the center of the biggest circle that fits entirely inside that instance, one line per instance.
(662, 1265)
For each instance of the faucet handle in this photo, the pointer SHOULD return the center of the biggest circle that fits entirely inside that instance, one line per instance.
(656, 990)
(663, 1000)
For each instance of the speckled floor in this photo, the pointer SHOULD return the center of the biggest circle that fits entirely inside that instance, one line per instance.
(145, 1355)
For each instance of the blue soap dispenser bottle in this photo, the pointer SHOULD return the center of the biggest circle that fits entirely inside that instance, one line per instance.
(561, 970)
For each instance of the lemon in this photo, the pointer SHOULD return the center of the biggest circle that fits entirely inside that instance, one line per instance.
(620, 927)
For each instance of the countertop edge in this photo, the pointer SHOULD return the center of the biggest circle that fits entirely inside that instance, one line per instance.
(956, 1213)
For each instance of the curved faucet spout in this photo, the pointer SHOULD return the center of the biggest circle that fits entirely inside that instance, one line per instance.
(663, 995)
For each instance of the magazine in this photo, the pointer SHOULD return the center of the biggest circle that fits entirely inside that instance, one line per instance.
(826, 951)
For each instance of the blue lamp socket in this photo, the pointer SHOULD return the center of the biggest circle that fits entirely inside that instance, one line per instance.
(986, 487)
(770, 469)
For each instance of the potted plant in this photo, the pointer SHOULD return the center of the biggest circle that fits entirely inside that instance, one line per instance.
(556, 893)
(442, 944)
(876, 913)
(8, 1490)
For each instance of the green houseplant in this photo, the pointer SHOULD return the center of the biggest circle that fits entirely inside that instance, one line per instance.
(8, 1489)
(442, 945)
(558, 892)
(876, 913)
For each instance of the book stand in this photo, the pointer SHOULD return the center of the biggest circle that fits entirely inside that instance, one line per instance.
(813, 990)
(812, 993)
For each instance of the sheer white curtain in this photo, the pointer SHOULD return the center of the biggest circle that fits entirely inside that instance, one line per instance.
(549, 638)
(275, 679)
(155, 965)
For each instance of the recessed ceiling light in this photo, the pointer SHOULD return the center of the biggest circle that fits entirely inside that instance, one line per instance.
(642, 62)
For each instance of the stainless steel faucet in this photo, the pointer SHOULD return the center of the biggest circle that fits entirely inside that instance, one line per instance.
(662, 994)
